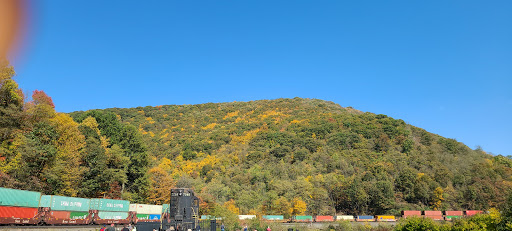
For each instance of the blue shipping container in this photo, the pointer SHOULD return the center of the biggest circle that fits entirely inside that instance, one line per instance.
(154, 216)
(365, 217)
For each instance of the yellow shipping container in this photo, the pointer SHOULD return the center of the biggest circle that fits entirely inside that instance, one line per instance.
(386, 218)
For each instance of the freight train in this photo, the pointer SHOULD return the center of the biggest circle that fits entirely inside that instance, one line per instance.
(20, 207)
(435, 215)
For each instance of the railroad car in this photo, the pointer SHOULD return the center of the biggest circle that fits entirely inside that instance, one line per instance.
(246, 217)
(273, 218)
(324, 219)
(472, 212)
(20, 207)
(411, 213)
(365, 218)
(434, 215)
(302, 219)
(450, 215)
(385, 218)
(345, 218)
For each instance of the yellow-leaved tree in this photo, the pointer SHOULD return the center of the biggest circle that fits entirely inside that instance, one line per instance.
(299, 206)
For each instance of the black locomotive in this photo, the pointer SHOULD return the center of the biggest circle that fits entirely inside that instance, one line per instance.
(183, 212)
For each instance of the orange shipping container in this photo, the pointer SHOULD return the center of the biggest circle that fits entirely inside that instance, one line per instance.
(473, 212)
(60, 214)
(17, 212)
(433, 213)
(324, 218)
(435, 217)
(453, 213)
(411, 213)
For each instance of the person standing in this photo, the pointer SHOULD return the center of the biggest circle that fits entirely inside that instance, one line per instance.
(222, 227)
(111, 228)
(268, 228)
(125, 228)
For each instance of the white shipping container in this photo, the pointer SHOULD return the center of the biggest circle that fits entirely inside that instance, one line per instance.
(344, 217)
(133, 207)
(148, 209)
(246, 217)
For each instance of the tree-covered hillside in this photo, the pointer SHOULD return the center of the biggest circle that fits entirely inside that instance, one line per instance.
(296, 156)
(284, 156)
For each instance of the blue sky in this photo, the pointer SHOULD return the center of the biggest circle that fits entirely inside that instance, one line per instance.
(445, 66)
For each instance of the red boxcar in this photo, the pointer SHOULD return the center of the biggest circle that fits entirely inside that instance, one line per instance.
(324, 218)
(473, 212)
(410, 213)
(19, 215)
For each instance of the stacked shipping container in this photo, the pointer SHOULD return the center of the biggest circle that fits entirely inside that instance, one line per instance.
(19, 206)
(65, 210)
(450, 215)
(108, 211)
(146, 213)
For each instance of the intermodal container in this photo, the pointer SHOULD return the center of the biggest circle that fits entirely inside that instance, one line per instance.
(453, 213)
(365, 218)
(246, 217)
(17, 212)
(324, 218)
(165, 208)
(473, 212)
(410, 213)
(142, 216)
(113, 215)
(60, 203)
(19, 198)
(110, 205)
(432, 213)
(303, 218)
(133, 208)
(147, 209)
(435, 217)
(155, 216)
(207, 217)
(78, 215)
(386, 218)
(60, 214)
(344, 218)
(449, 218)
(273, 217)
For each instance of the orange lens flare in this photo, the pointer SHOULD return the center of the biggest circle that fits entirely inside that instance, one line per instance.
(11, 15)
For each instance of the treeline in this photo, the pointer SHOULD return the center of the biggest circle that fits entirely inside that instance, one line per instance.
(94, 155)
(285, 156)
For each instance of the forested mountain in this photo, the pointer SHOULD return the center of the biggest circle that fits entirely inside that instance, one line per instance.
(284, 156)
(292, 156)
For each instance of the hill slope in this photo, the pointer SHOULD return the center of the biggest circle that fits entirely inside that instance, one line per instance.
(290, 156)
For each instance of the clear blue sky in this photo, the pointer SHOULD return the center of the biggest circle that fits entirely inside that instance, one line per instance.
(445, 66)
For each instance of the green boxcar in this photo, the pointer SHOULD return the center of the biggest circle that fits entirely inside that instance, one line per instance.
(143, 216)
(165, 208)
(19, 198)
(60, 203)
(113, 215)
(110, 205)
(78, 215)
